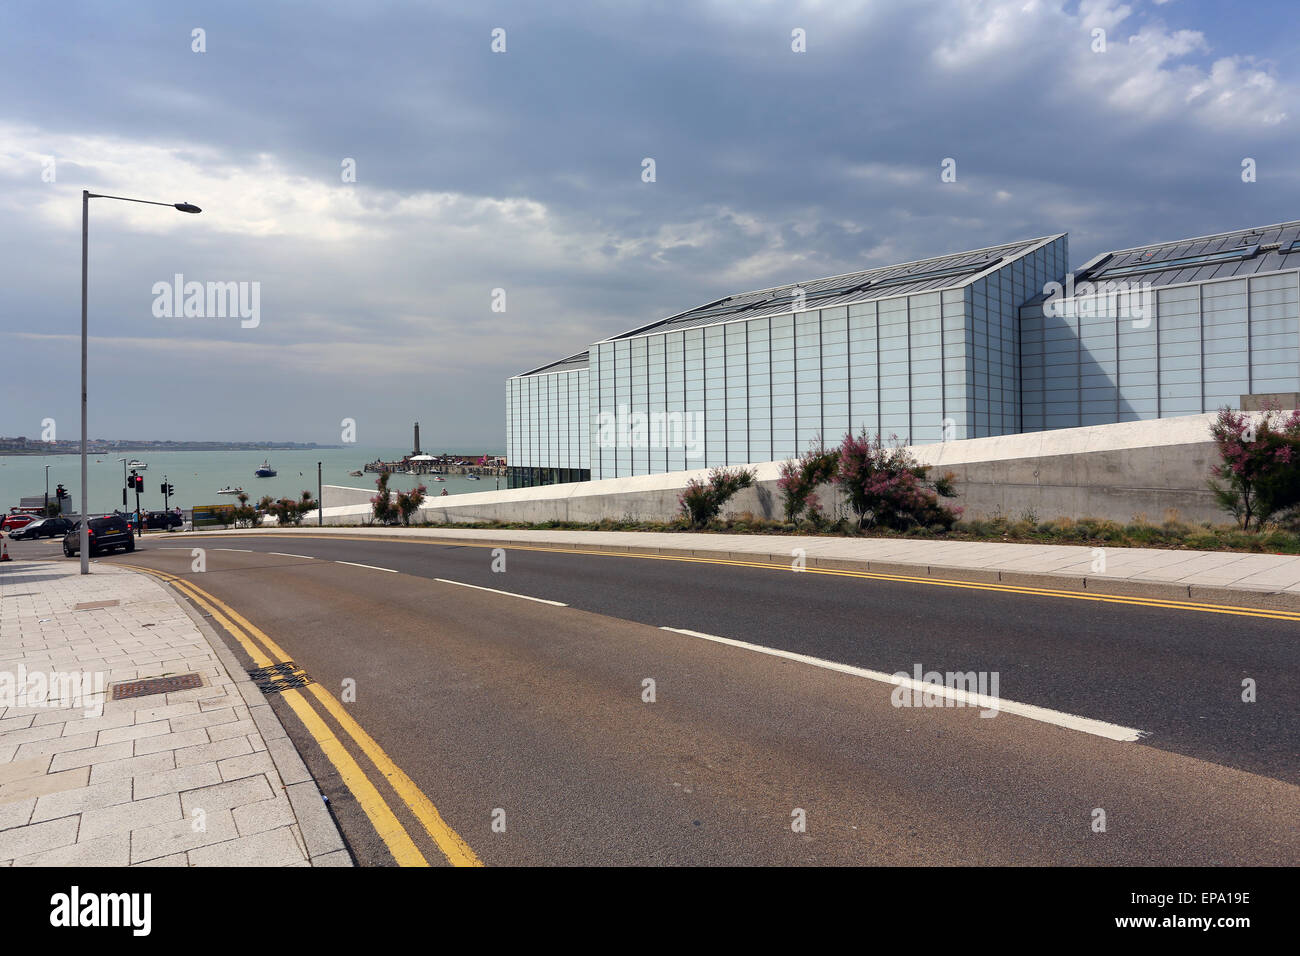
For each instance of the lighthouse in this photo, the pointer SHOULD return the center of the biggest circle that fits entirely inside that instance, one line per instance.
(417, 441)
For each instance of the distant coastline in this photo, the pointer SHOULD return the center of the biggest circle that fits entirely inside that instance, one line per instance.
(22, 446)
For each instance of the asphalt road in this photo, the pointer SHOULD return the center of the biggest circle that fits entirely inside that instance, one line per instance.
(508, 710)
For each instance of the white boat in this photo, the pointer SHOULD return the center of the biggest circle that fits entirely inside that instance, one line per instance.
(439, 478)
(230, 491)
(473, 478)
(137, 464)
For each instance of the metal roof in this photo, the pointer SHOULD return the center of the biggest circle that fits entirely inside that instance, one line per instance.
(1242, 252)
(924, 275)
(571, 364)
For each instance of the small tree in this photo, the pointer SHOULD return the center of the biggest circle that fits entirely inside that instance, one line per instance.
(246, 516)
(385, 511)
(1257, 479)
(800, 478)
(701, 501)
(408, 503)
(886, 487)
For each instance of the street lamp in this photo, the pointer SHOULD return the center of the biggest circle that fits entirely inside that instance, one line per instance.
(46, 512)
(86, 197)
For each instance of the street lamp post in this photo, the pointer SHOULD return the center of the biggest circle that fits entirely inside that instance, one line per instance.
(46, 512)
(86, 197)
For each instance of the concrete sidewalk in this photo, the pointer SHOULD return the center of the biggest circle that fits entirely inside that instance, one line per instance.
(199, 777)
(1211, 577)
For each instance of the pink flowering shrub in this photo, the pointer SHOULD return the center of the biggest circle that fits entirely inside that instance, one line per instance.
(385, 511)
(799, 480)
(702, 500)
(408, 502)
(887, 488)
(1257, 479)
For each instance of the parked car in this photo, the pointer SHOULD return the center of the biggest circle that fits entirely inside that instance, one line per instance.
(162, 519)
(105, 534)
(13, 521)
(42, 528)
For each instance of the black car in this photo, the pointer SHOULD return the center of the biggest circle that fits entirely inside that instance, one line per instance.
(42, 528)
(162, 519)
(106, 533)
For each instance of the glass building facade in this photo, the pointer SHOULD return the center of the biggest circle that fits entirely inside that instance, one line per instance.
(1220, 322)
(963, 346)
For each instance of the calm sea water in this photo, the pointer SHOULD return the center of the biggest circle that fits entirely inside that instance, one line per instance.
(196, 475)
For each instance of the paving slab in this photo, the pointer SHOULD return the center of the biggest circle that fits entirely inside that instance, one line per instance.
(178, 779)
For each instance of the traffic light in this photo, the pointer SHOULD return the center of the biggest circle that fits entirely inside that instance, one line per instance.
(60, 493)
(138, 481)
(162, 488)
(171, 491)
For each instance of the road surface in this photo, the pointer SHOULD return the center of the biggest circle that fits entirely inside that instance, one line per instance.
(577, 729)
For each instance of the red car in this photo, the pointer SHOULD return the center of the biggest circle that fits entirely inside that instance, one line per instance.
(14, 521)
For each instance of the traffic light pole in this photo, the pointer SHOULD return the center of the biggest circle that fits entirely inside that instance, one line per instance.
(164, 491)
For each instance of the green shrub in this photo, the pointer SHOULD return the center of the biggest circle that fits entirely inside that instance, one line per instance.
(701, 501)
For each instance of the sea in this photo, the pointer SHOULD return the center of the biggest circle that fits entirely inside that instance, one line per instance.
(197, 475)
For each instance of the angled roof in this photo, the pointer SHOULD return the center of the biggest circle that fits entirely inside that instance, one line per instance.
(1242, 252)
(924, 275)
(571, 364)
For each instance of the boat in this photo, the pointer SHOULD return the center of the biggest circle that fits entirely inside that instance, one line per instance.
(439, 478)
(230, 491)
(137, 464)
(354, 474)
(266, 471)
(473, 478)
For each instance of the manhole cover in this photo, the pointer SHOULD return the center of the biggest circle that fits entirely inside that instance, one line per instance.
(156, 685)
(279, 677)
(91, 605)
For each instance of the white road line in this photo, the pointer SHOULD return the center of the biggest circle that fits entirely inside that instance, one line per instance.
(240, 550)
(506, 593)
(307, 557)
(1087, 725)
(370, 566)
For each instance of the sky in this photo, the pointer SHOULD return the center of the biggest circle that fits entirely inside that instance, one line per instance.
(421, 215)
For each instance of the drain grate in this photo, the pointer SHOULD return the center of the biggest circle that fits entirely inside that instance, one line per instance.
(279, 677)
(156, 685)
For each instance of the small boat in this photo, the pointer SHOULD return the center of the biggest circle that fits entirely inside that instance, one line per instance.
(137, 464)
(354, 474)
(266, 471)
(439, 478)
(230, 491)
(472, 478)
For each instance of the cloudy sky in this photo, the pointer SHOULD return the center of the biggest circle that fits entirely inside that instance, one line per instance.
(522, 170)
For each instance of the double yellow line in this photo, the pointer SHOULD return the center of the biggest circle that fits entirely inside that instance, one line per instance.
(263, 651)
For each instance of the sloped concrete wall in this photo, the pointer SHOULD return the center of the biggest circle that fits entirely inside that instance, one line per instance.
(1157, 469)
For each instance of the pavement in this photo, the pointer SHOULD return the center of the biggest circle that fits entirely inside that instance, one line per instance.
(1224, 577)
(195, 777)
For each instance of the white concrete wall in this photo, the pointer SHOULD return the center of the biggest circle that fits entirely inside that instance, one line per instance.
(1102, 471)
